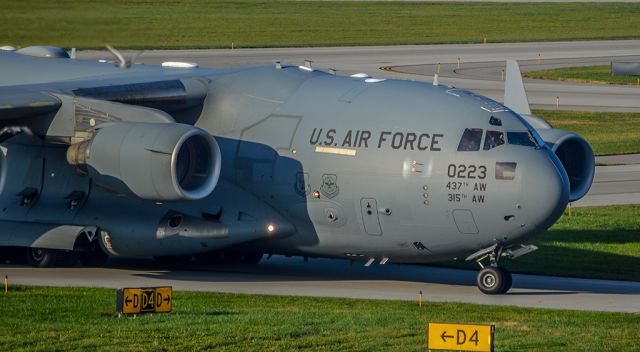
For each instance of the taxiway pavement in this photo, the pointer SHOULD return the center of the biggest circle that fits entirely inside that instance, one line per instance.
(335, 278)
(617, 181)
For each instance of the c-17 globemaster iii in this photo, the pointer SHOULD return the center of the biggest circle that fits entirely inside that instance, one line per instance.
(180, 162)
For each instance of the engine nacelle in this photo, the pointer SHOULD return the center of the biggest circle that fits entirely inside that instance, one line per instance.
(154, 161)
(576, 156)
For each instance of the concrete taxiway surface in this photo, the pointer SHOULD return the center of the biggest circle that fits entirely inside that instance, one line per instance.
(335, 278)
(616, 183)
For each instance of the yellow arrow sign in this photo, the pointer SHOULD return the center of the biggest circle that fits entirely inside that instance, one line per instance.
(460, 337)
(144, 300)
(163, 299)
(131, 301)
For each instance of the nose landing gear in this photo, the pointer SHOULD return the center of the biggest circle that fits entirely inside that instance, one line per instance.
(492, 280)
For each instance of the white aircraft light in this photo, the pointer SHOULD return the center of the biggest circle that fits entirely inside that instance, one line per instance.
(177, 64)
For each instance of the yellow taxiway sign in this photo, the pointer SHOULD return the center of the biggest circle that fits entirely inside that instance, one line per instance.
(144, 300)
(460, 337)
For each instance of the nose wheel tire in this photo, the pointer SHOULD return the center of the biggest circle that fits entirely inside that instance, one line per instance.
(508, 280)
(494, 280)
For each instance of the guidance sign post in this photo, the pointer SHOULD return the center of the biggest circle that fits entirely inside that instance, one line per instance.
(144, 300)
(460, 337)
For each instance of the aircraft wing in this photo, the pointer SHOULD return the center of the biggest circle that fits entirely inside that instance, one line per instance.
(19, 104)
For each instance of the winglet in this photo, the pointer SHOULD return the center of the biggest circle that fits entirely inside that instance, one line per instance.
(515, 97)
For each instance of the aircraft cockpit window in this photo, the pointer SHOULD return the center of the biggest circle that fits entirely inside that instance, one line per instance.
(493, 139)
(521, 138)
(471, 139)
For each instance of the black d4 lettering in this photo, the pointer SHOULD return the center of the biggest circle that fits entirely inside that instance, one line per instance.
(474, 337)
(461, 337)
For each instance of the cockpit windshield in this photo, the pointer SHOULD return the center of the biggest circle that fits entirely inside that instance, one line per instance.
(471, 139)
(493, 139)
(521, 138)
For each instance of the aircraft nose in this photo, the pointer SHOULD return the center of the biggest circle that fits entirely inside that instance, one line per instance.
(545, 191)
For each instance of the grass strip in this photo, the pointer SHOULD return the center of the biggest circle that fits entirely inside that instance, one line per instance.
(49, 318)
(584, 74)
(218, 24)
(607, 132)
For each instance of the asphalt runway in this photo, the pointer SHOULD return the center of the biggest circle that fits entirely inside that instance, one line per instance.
(616, 184)
(335, 278)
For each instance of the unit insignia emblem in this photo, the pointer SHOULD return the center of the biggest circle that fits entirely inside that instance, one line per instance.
(330, 187)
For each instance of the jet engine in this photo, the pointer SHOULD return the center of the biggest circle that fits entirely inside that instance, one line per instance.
(154, 161)
(576, 156)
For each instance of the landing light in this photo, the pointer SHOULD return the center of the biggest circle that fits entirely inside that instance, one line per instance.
(271, 228)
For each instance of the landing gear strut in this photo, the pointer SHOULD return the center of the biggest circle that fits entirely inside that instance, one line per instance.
(492, 280)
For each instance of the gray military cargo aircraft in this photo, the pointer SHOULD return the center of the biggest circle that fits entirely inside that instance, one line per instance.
(186, 163)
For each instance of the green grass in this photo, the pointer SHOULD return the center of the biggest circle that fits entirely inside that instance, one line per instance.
(48, 319)
(607, 132)
(586, 74)
(596, 242)
(213, 24)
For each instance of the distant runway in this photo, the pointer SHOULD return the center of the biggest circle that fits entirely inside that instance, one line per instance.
(334, 278)
(421, 61)
(618, 183)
